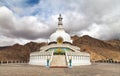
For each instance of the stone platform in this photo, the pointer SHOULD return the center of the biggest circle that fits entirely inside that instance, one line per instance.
(96, 69)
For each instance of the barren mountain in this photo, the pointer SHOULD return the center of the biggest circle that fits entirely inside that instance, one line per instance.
(19, 52)
(98, 49)
(15, 52)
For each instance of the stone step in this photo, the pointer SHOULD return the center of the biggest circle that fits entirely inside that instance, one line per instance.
(58, 60)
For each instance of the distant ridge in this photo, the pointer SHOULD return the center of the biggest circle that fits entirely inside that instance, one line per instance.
(19, 52)
(3, 47)
(98, 49)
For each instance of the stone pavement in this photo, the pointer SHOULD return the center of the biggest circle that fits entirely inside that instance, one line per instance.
(96, 69)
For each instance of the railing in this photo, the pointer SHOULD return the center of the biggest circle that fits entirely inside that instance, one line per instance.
(12, 62)
(41, 58)
(51, 58)
(77, 58)
(66, 56)
(75, 48)
(106, 61)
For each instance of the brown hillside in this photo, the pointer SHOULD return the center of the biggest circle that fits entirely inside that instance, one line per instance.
(99, 50)
(19, 52)
(15, 52)
(35, 46)
(115, 43)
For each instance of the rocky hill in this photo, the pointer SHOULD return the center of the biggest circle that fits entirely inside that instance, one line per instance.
(19, 52)
(98, 49)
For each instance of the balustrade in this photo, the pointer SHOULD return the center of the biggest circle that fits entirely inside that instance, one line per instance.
(40, 58)
(78, 58)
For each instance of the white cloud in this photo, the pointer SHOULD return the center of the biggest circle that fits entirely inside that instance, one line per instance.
(97, 18)
(20, 29)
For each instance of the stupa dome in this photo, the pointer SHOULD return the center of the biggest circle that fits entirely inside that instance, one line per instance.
(60, 34)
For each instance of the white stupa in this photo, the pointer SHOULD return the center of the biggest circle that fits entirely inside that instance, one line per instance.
(59, 51)
(60, 33)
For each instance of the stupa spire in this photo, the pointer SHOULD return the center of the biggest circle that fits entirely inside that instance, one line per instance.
(60, 24)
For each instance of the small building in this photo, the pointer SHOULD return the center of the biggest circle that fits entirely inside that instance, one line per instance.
(60, 51)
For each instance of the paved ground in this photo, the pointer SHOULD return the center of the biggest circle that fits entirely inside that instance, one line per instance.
(97, 69)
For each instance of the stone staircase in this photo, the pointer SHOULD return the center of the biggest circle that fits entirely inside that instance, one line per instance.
(58, 61)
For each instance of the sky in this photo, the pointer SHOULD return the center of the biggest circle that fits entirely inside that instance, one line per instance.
(23, 21)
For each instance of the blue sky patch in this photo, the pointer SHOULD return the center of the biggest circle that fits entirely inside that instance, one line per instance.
(32, 2)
